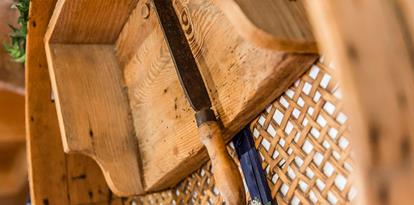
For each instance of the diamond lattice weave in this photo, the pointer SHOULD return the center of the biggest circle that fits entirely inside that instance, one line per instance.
(302, 138)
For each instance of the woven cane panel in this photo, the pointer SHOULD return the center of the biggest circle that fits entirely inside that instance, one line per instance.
(302, 139)
(197, 189)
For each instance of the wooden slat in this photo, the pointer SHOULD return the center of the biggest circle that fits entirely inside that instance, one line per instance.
(46, 160)
(55, 178)
(241, 78)
(372, 43)
(96, 21)
(280, 25)
(86, 183)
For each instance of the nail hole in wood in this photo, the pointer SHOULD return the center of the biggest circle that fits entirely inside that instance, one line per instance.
(91, 133)
(405, 149)
(374, 142)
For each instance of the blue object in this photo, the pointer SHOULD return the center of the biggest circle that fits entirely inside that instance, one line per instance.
(251, 166)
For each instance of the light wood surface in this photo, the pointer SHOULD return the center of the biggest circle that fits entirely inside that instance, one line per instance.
(93, 111)
(371, 42)
(242, 79)
(226, 173)
(96, 21)
(280, 25)
(46, 159)
(55, 177)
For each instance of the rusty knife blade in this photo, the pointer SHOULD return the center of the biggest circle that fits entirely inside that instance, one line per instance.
(184, 61)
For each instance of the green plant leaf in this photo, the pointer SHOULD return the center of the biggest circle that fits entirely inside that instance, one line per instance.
(17, 47)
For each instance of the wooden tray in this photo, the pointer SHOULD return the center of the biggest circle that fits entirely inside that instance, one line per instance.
(118, 97)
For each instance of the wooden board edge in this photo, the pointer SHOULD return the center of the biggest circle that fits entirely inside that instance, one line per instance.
(110, 176)
(248, 30)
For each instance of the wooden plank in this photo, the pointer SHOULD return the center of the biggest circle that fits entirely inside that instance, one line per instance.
(372, 42)
(86, 183)
(280, 25)
(93, 111)
(242, 79)
(46, 160)
(55, 178)
(97, 21)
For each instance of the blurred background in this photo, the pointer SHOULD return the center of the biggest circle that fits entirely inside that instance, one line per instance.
(13, 172)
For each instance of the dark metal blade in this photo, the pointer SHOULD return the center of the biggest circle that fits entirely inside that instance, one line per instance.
(185, 64)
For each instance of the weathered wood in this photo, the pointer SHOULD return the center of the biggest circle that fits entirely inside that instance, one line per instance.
(97, 21)
(93, 111)
(55, 178)
(241, 79)
(372, 43)
(280, 25)
(92, 101)
(46, 160)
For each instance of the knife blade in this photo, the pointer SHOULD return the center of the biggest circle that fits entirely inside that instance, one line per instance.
(185, 64)
(226, 174)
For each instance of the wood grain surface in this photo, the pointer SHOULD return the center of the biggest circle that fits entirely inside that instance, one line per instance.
(96, 21)
(55, 177)
(93, 111)
(280, 25)
(241, 79)
(372, 43)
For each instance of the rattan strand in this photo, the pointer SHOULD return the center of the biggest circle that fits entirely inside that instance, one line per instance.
(302, 139)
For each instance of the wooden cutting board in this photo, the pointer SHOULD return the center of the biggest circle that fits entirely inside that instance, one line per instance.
(118, 97)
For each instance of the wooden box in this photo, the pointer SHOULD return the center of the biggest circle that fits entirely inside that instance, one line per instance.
(118, 97)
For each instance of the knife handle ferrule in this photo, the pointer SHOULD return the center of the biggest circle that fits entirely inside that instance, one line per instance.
(204, 115)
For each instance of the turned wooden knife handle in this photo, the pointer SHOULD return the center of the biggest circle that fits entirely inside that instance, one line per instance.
(226, 173)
